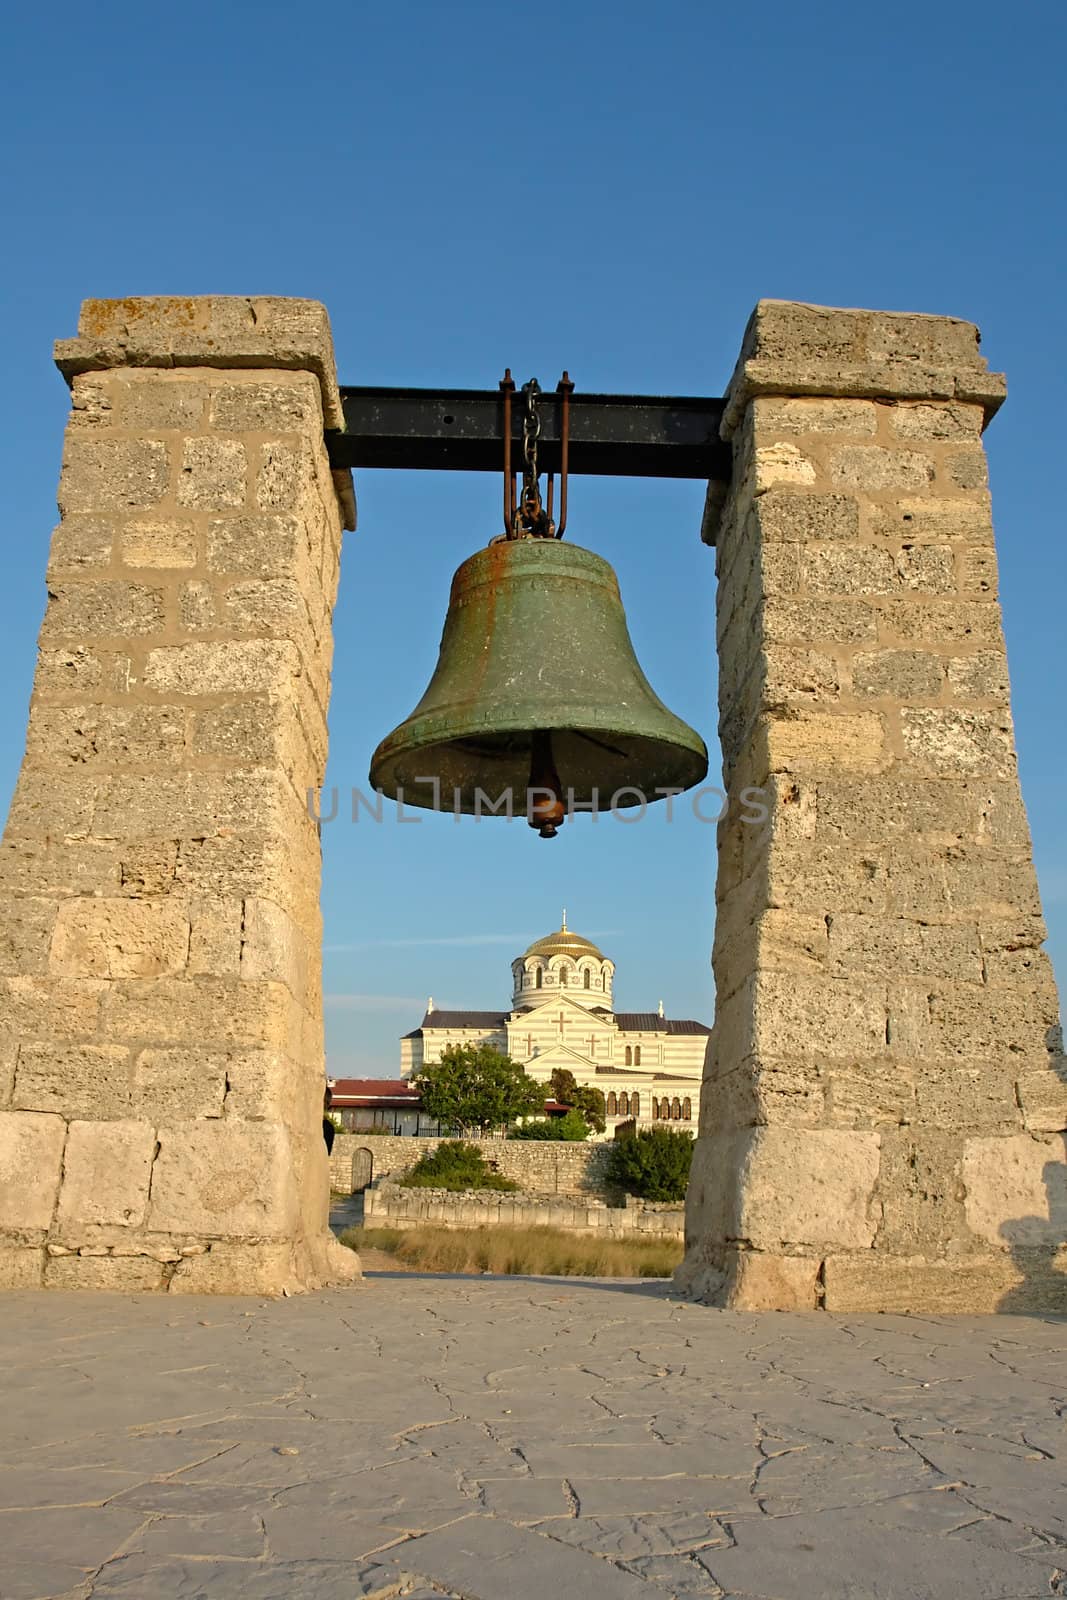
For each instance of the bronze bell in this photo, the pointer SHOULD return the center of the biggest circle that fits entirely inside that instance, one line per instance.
(537, 694)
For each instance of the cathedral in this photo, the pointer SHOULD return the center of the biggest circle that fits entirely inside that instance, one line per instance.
(647, 1066)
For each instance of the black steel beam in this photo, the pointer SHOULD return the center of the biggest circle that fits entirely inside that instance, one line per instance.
(461, 430)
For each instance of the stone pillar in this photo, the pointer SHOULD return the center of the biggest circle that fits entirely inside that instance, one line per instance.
(884, 1105)
(161, 1076)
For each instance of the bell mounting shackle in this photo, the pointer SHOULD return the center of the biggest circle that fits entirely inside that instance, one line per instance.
(526, 516)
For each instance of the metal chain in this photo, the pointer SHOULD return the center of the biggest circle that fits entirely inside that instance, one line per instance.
(531, 514)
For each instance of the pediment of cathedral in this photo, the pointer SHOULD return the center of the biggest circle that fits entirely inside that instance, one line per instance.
(547, 1014)
(558, 1055)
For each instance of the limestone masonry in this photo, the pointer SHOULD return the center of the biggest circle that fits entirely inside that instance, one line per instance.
(884, 1103)
(885, 1098)
(160, 873)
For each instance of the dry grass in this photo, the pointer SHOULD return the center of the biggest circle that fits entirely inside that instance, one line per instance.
(543, 1252)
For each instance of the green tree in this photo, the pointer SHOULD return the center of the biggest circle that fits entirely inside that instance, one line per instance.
(478, 1089)
(572, 1127)
(652, 1163)
(590, 1102)
(456, 1166)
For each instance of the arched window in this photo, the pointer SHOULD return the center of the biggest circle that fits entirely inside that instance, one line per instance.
(637, 1055)
(655, 1109)
(624, 1105)
(629, 1056)
(538, 978)
(587, 979)
(563, 975)
(613, 1105)
(676, 1109)
(687, 1109)
(635, 1105)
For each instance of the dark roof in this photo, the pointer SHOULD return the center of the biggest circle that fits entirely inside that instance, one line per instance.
(651, 1022)
(347, 1091)
(463, 1019)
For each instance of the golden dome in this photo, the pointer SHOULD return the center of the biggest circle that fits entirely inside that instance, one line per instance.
(564, 943)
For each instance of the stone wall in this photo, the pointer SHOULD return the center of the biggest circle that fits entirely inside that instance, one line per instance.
(388, 1205)
(548, 1166)
(161, 1071)
(885, 1098)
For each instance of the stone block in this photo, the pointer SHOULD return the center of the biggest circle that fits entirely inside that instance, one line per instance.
(281, 405)
(285, 476)
(211, 1011)
(81, 543)
(777, 464)
(78, 1080)
(758, 1281)
(272, 948)
(198, 607)
(25, 935)
(978, 572)
(145, 401)
(265, 546)
(1041, 1091)
(31, 1156)
(816, 1014)
(808, 415)
(106, 1171)
(916, 1284)
(827, 1203)
(873, 467)
(823, 741)
(180, 1084)
(965, 469)
(163, 542)
(930, 518)
(112, 474)
(213, 474)
(1016, 1190)
(121, 938)
(788, 516)
(898, 674)
(927, 568)
(792, 676)
(849, 570)
(106, 609)
(818, 622)
(271, 606)
(49, 1007)
(239, 1269)
(953, 740)
(76, 671)
(943, 622)
(21, 1266)
(924, 421)
(113, 1274)
(982, 676)
(225, 666)
(223, 1179)
(105, 737)
(216, 929)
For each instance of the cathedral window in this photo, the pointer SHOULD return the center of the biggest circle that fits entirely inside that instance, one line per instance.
(635, 1105)
(563, 975)
(624, 1105)
(613, 1104)
(637, 1055)
(587, 979)
(676, 1109)
(629, 1056)
(687, 1109)
(538, 978)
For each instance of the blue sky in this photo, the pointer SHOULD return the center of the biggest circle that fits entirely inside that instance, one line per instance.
(607, 187)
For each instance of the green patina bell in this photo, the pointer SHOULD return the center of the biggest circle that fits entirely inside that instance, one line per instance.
(538, 695)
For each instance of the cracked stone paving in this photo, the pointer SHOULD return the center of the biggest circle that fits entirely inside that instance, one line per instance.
(512, 1439)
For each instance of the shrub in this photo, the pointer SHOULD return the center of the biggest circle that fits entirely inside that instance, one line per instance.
(572, 1127)
(454, 1165)
(652, 1163)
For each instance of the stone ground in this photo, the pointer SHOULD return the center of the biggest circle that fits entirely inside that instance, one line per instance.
(521, 1439)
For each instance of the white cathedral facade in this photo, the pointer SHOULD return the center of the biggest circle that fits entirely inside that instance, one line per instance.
(648, 1066)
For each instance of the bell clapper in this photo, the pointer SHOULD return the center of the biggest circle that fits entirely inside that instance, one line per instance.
(547, 812)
